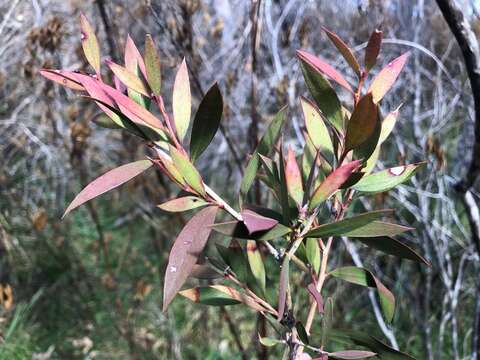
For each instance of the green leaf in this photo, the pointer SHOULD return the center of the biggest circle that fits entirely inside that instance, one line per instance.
(269, 342)
(237, 229)
(316, 128)
(187, 170)
(183, 204)
(393, 247)
(105, 121)
(363, 277)
(152, 66)
(302, 333)
(387, 179)
(209, 296)
(206, 121)
(344, 50)
(89, 44)
(313, 253)
(264, 147)
(182, 101)
(389, 123)
(293, 178)
(283, 286)
(362, 123)
(378, 228)
(342, 227)
(351, 354)
(255, 261)
(361, 338)
(323, 93)
(327, 321)
(129, 79)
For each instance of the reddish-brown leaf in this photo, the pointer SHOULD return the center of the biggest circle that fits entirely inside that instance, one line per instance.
(362, 122)
(185, 251)
(387, 77)
(256, 222)
(312, 289)
(324, 68)
(373, 49)
(344, 50)
(108, 181)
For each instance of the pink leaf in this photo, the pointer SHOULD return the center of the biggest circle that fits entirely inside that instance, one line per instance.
(182, 101)
(108, 181)
(294, 178)
(387, 77)
(65, 78)
(256, 222)
(133, 58)
(185, 251)
(324, 68)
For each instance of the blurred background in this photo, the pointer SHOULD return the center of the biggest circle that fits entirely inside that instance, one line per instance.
(89, 287)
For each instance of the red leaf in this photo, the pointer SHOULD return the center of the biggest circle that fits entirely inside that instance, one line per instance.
(344, 50)
(316, 296)
(362, 122)
(65, 78)
(185, 251)
(256, 222)
(108, 181)
(387, 77)
(373, 49)
(294, 178)
(333, 182)
(324, 68)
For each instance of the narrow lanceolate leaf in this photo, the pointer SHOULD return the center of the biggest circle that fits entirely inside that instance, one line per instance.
(322, 92)
(237, 229)
(351, 354)
(152, 66)
(312, 250)
(342, 227)
(387, 179)
(327, 321)
(185, 251)
(325, 68)
(393, 247)
(332, 183)
(133, 59)
(256, 222)
(283, 286)
(363, 277)
(378, 228)
(62, 77)
(255, 261)
(293, 178)
(362, 123)
(269, 342)
(128, 78)
(387, 77)
(316, 128)
(209, 296)
(89, 44)
(373, 49)
(344, 50)
(206, 121)
(188, 171)
(108, 181)
(265, 146)
(317, 297)
(388, 124)
(183, 204)
(182, 101)
(170, 169)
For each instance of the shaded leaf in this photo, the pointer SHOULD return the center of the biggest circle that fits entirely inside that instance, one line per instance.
(255, 261)
(105, 121)
(393, 247)
(373, 49)
(182, 101)
(333, 182)
(183, 204)
(188, 171)
(128, 78)
(206, 121)
(269, 342)
(89, 44)
(209, 296)
(367, 148)
(283, 286)
(317, 297)
(387, 179)
(388, 124)
(344, 50)
(362, 123)
(312, 250)
(339, 228)
(108, 181)
(205, 272)
(363, 277)
(152, 66)
(256, 222)
(62, 77)
(237, 229)
(293, 178)
(185, 251)
(351, 354)
(302, 333)
(378, 228)
(327, 321)
(387, 77)
(316, 128)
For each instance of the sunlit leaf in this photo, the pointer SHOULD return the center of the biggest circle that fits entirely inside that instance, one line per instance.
(152, 66)
(388, 124)
(312, 250)
(185, 252)
(351, 354)
(269, 342)
(129, 79)
(182, 101)
(105, 121)
(316, 128)
(182, 204)
(188, 171)
(344, 50)
(283, 286)
(322, 92)
(363, 277)
(378, 228)
(206, 121)
(62, 77)
(89, 44)
(255, 261)
(387, 77)
(133, 58)
(341, 227)
(332, 183)
(256, 222)
(373, 49)
(293, 178)
(108, 181)
(387, 179)
(362, 123)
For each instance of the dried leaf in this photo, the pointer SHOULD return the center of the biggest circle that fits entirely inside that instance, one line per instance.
(185, 251)
(182, 101)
